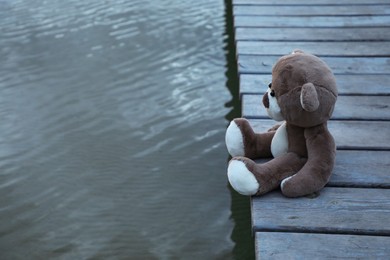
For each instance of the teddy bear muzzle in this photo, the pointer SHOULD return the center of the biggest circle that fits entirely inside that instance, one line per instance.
(271, 104)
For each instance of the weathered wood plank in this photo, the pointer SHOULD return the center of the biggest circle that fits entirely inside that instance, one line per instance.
(278, 245)
(311, 10)
(347, 107)
(372, 135)
(312, 2)
(361, 49)
(347, 84)
(254, 83)
(336, 210)
(362, 107)
(252, 64)
(313, 34)
(349, 135)
(309, 21)
(361, 169)
(363, 84)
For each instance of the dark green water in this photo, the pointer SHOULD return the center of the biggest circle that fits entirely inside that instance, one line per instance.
(113, 116)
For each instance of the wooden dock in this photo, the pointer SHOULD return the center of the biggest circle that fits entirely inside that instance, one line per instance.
(351, 216)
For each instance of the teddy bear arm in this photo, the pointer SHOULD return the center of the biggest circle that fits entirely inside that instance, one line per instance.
(263, 145)
(241, 140)
(315, 174)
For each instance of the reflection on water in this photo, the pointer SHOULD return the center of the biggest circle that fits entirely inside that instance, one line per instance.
(112, 130)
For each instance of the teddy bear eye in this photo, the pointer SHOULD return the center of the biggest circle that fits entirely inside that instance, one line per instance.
(270, 85)
(272, 93)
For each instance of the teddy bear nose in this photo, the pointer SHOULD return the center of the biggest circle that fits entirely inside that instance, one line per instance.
(266, 100)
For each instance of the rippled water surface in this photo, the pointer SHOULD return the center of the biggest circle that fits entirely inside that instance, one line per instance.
(112, 130)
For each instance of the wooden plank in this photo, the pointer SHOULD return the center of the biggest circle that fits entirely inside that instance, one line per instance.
(312, 2)
(349, 135)
(277, 245)
(362, 107)
(347, 107)
(352, 167)
(313, 34)
(368, 169)
(309, 10)
(347, 84)
(336, 210)
(253, 64)
(308, 21)
(363, 84)
(361, 49)
(254, 83)
(356, 135)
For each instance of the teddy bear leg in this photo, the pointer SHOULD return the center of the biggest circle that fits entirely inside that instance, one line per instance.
(241, 140)
(250, 178)
(316, 173)
(241, 178)
(303, 183)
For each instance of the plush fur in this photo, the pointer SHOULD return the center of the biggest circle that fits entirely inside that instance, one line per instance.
(303, 93)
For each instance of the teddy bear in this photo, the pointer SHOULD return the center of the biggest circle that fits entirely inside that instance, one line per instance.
(302, 94)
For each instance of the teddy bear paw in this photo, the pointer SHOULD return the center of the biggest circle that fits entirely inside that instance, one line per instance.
(234, 140)
(241, 179)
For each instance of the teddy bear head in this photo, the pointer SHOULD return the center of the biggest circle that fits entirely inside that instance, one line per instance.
(303, 90)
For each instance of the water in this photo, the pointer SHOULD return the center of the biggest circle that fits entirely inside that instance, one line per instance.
(112, 132)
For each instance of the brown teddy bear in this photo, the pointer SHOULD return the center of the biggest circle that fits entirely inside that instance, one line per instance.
(303, 93)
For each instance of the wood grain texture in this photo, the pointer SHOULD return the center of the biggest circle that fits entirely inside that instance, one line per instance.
(336, 210)
(347, 107)
(311, 21)
(359, 169)
(349, 135)
(360, 135)
(251, 64)
(346, 84)
(361, 48)
(313, 34)
(311, 10)
(278, 245)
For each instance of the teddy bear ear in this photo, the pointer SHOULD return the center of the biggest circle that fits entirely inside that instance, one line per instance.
(309, 97)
